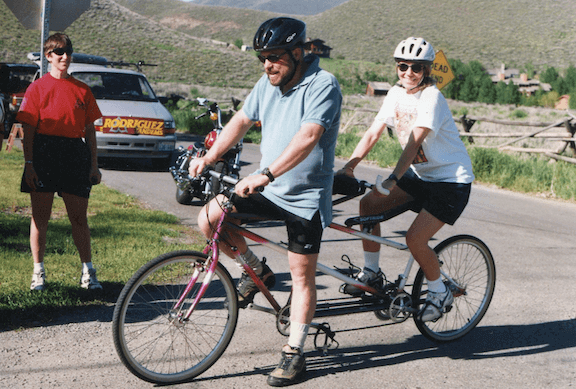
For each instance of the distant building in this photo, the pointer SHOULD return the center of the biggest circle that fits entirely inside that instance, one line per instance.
(563, 102)
(375, 88)
(525, 85)
(317, 46)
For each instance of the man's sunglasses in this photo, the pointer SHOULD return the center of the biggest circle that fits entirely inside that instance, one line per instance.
(272, 58)
(62, 50)
(416, 68)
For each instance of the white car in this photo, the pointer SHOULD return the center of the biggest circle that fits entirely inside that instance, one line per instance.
(134, 123)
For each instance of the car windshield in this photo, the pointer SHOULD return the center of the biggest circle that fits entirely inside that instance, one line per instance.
(117, 86)
(15, 79)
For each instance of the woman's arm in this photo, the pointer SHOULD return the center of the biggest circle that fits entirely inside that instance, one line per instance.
(415, 140)
(363, 147)
(95, 175)
(30, 175)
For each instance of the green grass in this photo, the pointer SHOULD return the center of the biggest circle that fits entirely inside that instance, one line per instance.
(124, 237)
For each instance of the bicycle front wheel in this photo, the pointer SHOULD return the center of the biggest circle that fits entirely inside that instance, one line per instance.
(467, 261)
(153, 339)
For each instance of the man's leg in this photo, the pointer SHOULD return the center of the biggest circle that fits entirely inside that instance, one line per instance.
(247, 289)
(302, 307)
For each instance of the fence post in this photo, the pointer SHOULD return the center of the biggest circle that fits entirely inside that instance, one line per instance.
(16, 132)
(467, 124)
(571, 128)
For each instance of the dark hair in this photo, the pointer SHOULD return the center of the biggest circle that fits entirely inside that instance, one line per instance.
(57, 40)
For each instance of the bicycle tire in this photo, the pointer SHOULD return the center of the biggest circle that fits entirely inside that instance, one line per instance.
(154, 346)
(183, 196)
(468, 261)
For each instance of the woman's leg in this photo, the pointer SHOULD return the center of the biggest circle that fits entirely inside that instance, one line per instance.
(373, 204)
(424, 227)
(41, 211)
(77, 208)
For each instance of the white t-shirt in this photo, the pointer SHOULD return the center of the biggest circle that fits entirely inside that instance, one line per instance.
(443, 156)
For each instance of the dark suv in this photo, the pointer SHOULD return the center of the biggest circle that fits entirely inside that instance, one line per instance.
(14, 80)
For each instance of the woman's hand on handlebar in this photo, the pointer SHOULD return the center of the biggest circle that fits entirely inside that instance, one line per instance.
(348, 171)
(251, 185)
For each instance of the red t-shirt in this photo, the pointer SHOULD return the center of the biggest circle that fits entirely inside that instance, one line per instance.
(60, 107)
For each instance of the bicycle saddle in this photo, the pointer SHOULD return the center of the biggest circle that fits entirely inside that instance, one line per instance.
(387, 215)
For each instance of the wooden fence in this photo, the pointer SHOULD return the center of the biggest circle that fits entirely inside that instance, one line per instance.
(567, 138)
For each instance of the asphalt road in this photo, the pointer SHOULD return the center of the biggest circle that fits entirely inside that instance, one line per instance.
(526, 340)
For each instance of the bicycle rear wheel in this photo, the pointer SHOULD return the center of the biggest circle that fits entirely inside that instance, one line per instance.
(468, 261)
(151, 339)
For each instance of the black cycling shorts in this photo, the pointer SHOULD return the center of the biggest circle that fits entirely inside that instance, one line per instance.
(304, 236)
(444, 200)
(62, 165)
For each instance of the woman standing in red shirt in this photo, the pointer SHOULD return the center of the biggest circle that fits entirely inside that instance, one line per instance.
(57, 113)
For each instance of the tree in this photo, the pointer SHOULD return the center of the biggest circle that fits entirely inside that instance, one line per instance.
(550, 75)
(570, 78)
(487, 91)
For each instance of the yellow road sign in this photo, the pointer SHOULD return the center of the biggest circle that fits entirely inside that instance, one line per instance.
(441, 70)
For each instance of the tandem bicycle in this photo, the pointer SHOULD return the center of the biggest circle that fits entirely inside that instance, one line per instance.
(177, 314)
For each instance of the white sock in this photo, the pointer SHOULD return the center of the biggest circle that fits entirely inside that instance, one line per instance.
(86, 266)
(437, 286)
(371, 260)
(298, 333)
(253, 261)
(38, 267)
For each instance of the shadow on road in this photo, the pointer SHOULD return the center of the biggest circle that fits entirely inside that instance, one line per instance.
(482, 343)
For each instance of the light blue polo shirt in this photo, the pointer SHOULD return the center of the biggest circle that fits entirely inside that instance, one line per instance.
(306, 188)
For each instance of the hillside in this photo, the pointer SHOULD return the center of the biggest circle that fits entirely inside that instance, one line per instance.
(119, 34)
(292, 7)
(515, 32)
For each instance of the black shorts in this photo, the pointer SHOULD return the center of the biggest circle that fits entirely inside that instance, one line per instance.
(444, 200)
(62, 165)
(304, 236)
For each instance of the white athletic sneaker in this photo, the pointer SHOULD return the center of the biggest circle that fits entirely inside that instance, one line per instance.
(367, 276)
(89, 280)
(436, 304)
(38, 280)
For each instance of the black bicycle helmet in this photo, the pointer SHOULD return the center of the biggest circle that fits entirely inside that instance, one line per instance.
(280, 33)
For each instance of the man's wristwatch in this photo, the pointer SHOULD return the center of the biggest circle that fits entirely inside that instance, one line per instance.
(393, 177)
(267, 173)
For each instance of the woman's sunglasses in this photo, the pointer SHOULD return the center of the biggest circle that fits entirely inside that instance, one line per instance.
(416, 68)
(62, 50)
(272, 58)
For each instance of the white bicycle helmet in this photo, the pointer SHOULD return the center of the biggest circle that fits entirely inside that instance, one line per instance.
(415, 50)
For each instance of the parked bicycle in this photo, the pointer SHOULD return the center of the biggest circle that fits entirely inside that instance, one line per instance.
(204, 188)
(177, 314)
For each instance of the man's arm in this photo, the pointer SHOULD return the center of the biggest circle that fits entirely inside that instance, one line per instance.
(230, 135)
(298, 149)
